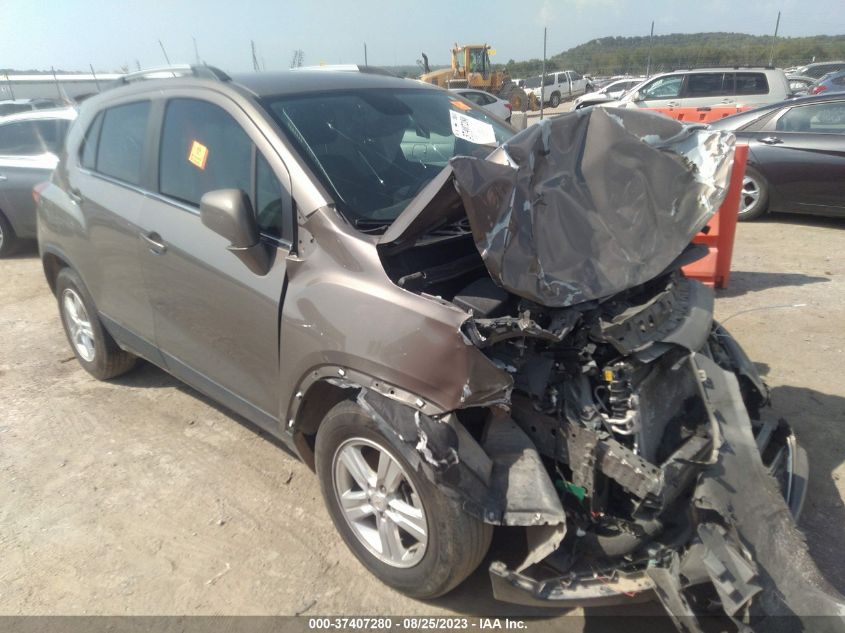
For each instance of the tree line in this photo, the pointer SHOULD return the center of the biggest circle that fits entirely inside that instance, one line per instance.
(629, 55)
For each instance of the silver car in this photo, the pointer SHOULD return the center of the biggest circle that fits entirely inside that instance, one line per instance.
(29, 144)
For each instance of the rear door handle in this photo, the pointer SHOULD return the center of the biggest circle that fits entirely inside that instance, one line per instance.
(155, 243)
(771, 140)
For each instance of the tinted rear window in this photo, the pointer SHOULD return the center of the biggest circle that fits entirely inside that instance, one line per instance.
(706, 85)
(121, 147)
(751, 84)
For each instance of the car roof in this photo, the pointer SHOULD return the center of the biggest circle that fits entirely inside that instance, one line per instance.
(68, 113)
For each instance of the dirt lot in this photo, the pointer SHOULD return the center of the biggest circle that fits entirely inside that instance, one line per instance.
(140, 496)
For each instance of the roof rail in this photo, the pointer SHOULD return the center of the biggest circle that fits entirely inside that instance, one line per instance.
(355, 68)
(176, 70)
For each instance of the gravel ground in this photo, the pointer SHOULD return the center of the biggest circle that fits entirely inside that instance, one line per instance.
(140, 496)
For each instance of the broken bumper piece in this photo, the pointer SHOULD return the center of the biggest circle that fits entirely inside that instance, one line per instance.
(743, 541)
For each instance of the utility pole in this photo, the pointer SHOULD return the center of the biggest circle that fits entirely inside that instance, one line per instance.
(196, 52)
(365, 55)
(648, 65)
(254, 57)
(166, 58)
(774, 37)
(96, 81)
(543, 75)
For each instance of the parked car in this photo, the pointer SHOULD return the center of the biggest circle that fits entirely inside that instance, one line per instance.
(831, 82)
(819, 69)
(29, 144)
(709, 87)
(494, 105)
(799, 84)
(13, 106)
(411, 327)
(612, 91)
(796, 160)
(558, 86)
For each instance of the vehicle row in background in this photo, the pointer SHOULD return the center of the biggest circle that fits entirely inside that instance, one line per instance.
(610, 92)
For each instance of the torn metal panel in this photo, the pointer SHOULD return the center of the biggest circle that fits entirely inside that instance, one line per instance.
(503, 482)
(739, 488)
(592, 202)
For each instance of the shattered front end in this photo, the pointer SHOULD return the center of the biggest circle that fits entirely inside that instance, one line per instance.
(636, 447)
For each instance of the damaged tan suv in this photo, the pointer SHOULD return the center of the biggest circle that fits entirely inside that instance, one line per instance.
(455, 327)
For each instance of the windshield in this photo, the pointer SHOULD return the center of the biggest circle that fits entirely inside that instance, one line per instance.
(375, 149)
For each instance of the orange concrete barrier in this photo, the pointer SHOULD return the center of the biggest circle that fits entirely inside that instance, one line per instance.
(715, 268)
(700, 115)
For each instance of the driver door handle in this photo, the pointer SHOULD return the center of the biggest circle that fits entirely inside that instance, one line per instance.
(771, 140)
(674, 104)
(3, 177)
(155, 243)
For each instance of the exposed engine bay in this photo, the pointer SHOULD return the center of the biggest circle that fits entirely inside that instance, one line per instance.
(635, 447)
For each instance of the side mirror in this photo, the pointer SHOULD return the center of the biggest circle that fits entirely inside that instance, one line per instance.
(638, 96)
(228, 213)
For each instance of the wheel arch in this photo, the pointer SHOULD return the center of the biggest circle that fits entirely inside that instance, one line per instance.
(53, 262)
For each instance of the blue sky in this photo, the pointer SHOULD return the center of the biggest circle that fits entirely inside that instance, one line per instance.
(70, 34)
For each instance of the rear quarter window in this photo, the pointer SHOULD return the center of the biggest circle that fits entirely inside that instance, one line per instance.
(121, 146)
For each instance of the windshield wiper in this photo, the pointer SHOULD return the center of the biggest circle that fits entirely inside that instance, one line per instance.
(371, 226)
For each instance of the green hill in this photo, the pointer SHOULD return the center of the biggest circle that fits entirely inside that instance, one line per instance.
(616, 55)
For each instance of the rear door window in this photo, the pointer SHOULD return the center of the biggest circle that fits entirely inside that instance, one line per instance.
(121, 145)
(707, 85)
(751, 84)
(202, 149)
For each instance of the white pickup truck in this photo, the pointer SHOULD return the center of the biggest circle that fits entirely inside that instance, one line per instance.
(558, 86)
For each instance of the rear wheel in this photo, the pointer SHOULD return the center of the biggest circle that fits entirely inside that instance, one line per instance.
(8, 239)
(93, 346)
(754, 200)
(398, 524)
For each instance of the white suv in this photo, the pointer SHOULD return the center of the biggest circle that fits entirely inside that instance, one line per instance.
(560, 86)
(709, 87)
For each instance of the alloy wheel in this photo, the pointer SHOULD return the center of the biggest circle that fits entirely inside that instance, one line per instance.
(78, 324)
(379, 502)
(750, 195)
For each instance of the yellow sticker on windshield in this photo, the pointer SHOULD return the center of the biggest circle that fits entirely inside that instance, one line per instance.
(460, 105)
(198, 154)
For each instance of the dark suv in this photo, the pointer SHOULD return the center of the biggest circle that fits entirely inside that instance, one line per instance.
(456, 328)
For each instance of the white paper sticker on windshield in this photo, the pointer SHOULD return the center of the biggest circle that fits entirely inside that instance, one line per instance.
(472, 130)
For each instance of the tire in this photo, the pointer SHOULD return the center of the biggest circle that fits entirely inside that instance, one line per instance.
(8, 239)
(455, 543)
(92, 345)
(555, 100)
(754, 200)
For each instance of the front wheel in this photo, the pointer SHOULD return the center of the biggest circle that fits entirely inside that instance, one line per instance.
(754, 200)
(555, 100)
(395, 521)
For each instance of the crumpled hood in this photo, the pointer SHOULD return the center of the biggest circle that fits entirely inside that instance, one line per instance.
(593, 202)
(581, 206)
